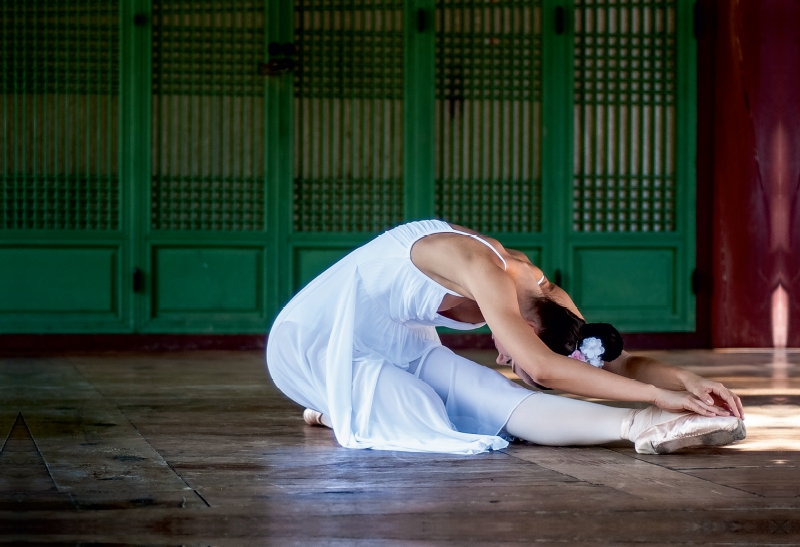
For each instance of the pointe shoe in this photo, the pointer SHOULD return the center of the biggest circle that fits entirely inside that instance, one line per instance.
(690, 430)
(312, 417)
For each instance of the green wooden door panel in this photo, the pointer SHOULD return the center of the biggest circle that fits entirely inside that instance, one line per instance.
(308, 263)
(348, 176)
(59, 289)
(489, 133)
(625, 175)
(207, 280)
(206, 214)
(59, 112)
(633, 288)
(625, 278)
(58, 280)
(64, 234)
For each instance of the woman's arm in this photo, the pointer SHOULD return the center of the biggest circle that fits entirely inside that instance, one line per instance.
(652, 371)
(495, 293)
(659, 374)
(662, 375)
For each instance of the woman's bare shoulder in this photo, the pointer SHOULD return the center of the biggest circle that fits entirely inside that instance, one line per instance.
(452, 259)
(494, 242)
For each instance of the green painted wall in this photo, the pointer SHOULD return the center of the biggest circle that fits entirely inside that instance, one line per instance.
(228, 152)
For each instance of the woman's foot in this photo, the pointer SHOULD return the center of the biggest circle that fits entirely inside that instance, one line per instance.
(312, 417)
(690, 430)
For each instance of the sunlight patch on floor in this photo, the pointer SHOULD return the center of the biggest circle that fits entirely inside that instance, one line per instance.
(771, 427)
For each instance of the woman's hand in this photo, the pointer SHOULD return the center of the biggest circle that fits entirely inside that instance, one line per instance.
(715, 393)
(678, 401)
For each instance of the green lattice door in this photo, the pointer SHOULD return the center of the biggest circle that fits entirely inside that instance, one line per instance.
(348, 172)
(629, 253)
(64, 223)
(206, 224)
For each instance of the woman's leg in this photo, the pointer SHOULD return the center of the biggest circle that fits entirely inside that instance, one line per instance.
(477, 398)
(559, 421)
(480, 400)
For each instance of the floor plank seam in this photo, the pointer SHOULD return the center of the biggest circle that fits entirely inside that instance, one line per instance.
(634, 458)
(553, 470)
(689, 475)
(36, 445)
(162, 457)
(145, 439)
(5, 441)
(199, 495)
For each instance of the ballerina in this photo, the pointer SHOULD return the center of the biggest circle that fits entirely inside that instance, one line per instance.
(358, 348)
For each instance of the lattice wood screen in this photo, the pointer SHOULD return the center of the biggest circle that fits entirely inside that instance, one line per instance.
(348, 115)
(488, 121)
(625, 72)
(208, 116)
(59, 115)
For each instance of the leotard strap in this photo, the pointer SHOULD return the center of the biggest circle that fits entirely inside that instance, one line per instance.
(473, 236)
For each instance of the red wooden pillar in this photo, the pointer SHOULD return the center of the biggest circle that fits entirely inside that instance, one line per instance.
(756, 164)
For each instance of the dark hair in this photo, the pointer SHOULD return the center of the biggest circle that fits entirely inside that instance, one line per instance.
(562, 331)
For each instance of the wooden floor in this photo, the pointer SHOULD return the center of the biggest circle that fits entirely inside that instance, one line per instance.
(199, 448)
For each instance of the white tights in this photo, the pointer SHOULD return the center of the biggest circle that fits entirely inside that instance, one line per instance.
(554, 420)
(559, 421)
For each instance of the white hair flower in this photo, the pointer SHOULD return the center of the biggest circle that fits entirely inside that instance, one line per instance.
(592, 348)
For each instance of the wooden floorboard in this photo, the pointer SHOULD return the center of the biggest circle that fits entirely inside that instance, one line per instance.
(199, 448)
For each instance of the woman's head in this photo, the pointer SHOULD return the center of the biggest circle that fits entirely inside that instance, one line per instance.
(563, 332)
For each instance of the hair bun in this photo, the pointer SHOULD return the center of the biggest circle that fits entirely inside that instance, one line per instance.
(611, 338)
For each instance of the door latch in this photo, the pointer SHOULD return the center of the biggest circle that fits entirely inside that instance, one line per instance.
(280, 65)
(137, 280)
(276, 67)
(422, 20)
(561, 20)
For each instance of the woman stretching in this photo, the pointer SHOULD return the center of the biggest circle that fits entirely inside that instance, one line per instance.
(358, 347)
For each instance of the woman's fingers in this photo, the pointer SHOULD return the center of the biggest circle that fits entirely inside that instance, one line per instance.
(700, 407)
(738, 405)
(677, 401)
(715, 393)
(731, 400)
(715, 410)
(705, 397)
(702, 393)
